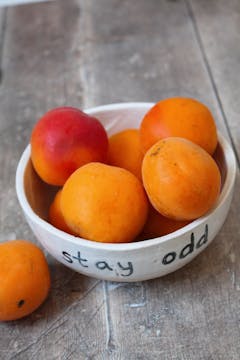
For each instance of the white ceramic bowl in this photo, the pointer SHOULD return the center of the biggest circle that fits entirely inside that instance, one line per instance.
(123, 262)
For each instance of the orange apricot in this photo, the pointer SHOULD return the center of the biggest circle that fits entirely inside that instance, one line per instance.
(159, 225)
(125, 151)
(63, 140)
(24, 279)
(179, 117)
(181, 179)
(104, 203)
(55, 214)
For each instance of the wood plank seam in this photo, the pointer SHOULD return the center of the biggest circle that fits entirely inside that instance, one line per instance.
(110, 346)
(2, 38)
(210, 75)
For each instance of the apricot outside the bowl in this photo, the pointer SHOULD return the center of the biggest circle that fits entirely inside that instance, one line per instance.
(24, 277)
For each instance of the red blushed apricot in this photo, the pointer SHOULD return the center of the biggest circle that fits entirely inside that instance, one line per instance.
(65, 139)
(179, 117)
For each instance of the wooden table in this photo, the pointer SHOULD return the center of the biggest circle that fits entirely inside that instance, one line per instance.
(87, 53)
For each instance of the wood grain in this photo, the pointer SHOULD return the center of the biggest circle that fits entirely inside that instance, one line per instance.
(87, 53)
(218, 28)
(36, 66)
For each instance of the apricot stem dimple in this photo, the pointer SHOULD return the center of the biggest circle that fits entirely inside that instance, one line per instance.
(21, 303)
(156, 152)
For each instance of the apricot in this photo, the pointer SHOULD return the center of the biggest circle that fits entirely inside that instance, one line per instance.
(159, 225)
(104, 203)
(181, 179)
(55, 214)
(125, 151)
(65, 139)
(24, 279)
(179, 117)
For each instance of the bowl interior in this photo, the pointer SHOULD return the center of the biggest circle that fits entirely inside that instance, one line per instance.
(114, 118)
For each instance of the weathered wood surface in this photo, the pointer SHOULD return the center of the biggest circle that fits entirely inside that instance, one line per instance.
(87, 53)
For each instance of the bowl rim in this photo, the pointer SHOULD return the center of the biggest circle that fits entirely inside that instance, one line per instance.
(227, 187)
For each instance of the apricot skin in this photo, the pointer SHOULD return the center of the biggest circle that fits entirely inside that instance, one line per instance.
(24, 278)
(125, 151)
(181, 179)
(104, 203)
(159, 225)
(179, 117)
(65, 139)
(55, 214)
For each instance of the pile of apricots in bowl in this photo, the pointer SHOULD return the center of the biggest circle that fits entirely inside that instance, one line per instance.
(138, 183)
(129, 191)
